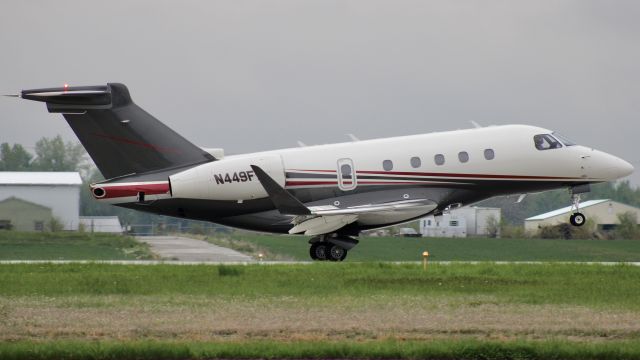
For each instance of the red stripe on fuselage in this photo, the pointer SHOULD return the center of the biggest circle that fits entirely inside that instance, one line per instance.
(451, 175)
(116, 191)
(457, 175)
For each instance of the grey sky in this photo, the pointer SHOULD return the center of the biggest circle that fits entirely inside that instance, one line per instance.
(256, 75)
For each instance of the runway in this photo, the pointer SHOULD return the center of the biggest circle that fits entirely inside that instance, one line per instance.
(186, 263)
(192, 250)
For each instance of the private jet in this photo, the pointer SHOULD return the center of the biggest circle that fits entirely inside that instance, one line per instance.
(328, 192)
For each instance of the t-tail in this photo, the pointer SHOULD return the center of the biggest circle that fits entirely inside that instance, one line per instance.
(121, 138)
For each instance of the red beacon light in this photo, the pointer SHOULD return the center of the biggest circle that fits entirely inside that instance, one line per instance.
(66, 86)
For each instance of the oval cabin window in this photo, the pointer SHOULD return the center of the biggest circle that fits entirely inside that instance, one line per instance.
(387, 165)
(415, 162)
(463, 156)
(489, 154)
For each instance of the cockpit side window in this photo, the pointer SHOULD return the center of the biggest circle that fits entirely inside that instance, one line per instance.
(546, 142)
(563, 139)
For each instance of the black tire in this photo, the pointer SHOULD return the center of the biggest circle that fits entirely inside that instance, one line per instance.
(336, 253)
(577, 219)
(312, 251)
(318, 251)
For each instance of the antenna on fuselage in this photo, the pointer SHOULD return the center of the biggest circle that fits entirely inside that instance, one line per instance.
(301, 144)
(475, 124)
(353, 137)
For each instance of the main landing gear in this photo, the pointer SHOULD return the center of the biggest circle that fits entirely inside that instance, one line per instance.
(577, 218)
(331, 247)
(326, 251)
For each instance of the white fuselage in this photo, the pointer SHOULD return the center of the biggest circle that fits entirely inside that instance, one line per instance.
(471, 164)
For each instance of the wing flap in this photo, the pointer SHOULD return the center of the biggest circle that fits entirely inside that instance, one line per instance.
(323, 224)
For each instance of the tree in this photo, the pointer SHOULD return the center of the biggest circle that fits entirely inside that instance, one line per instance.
(493, 227)
(54, 155)
(628, 226)
(14, 158)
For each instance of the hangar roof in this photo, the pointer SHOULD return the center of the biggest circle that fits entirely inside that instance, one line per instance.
(564, 210)
(39, 178)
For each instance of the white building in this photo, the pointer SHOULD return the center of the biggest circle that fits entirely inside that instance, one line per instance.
(462, 222)
(604, 213)
(103, 224)
(59, 191)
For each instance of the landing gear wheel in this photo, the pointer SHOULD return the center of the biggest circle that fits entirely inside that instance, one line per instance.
(577, 219)
(336, 253)
(318, 251)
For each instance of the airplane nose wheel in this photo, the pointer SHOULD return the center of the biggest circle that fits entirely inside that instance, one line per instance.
(577, 218)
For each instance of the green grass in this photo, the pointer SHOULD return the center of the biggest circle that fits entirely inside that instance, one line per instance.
(468, 349)
(69, 246)
(615, 287)
(460, 249)
(101, 311)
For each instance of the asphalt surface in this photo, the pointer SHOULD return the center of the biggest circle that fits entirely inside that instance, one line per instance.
(177, 262)
(192, 250)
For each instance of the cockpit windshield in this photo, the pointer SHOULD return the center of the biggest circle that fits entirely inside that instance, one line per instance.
(563, 139)
(546, 142)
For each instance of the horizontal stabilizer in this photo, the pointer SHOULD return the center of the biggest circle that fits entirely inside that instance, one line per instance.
(121, 138)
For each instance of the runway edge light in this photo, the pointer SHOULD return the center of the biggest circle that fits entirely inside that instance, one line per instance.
(425, 259)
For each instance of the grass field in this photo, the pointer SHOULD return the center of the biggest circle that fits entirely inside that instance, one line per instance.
(69, 246)
(441, 350)
(321, 310)
(448, 249)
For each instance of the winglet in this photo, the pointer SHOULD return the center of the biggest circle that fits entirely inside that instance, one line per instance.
(285, 202)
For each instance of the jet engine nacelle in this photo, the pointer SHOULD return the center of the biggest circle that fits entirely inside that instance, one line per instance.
(228, 179)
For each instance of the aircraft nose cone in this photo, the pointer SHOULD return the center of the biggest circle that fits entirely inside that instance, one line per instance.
(620, 169)
(626, 168)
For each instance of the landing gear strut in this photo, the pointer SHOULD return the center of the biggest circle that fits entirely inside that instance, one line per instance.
(577, 218)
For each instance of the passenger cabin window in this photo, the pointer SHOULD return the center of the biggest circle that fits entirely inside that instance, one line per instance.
(463, 156)
(439, 159)
(489, 154)
(546, 142)
(345, 171)
(387, 165)
(415, 162)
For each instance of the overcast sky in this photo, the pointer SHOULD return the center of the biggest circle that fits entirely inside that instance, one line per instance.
(257, 75)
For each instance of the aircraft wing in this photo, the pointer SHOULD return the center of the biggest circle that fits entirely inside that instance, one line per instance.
(316, 220)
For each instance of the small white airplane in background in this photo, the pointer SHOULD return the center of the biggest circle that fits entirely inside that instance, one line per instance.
(329, 192)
